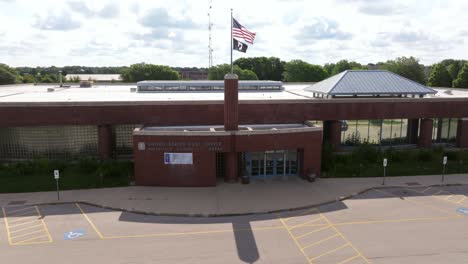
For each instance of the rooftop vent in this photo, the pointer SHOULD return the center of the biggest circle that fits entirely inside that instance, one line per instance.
(449, 92)
(86, 84)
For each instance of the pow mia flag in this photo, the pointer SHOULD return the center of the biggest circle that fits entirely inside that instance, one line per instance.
(239, 46)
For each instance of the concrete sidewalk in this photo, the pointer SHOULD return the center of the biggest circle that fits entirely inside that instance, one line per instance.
(225, 199)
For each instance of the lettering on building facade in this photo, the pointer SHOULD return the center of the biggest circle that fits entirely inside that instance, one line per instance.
(189, 146)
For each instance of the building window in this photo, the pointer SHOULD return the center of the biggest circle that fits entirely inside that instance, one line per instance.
(375, 132)
(444, 130)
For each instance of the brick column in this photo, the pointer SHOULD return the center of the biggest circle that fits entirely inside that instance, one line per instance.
(332, 133)
(231, 95)
(231, 123)
(105, 141)
(462, 133)
(412, 131)
(425, 134)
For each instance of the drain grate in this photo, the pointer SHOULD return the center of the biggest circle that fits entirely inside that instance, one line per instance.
(16, 202)
(413, 183)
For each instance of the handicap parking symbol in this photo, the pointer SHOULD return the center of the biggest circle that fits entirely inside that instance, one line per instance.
(463, 210)
(74, 234)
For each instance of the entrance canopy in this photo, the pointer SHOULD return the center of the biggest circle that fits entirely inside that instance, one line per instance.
(368, 83)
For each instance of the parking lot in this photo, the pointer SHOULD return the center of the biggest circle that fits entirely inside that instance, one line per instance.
(417, 224)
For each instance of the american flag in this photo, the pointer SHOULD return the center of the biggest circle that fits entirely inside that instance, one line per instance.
(238, 31)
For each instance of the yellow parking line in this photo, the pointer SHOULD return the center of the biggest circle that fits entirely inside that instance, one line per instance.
(461, 200)
(195, 232)
(434, 194)
(349, 259)
(427, 189)
(19, 210)
(320, 241)
(6, 225)
(295, 241)
(308, 222)
(330, 251)
(24, 223)
(417, 203)
(23, 242)
(311, 232)
(21, 219)
(20, 214)
(45, 226)
(344, 238)
(397, 220)
(26, 228)
(301, 214)
(448, 197)
(90, 222)
(27, 234)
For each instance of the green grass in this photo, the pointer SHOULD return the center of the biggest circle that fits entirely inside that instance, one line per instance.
(37, 175)
(367, 162)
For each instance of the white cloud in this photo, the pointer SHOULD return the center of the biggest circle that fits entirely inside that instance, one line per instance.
(121, 32)
(60, 21)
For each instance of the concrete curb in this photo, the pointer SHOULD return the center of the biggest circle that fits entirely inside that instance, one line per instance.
(338, 199)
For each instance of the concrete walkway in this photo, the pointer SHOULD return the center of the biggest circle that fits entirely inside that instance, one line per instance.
(225, 199)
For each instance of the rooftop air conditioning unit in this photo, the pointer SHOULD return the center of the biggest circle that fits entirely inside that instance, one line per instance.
(86, 84)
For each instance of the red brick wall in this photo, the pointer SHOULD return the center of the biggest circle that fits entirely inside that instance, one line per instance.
(194, 113)
(151, 170)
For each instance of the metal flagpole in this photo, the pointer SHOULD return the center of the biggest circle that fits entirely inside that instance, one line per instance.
(232, 69)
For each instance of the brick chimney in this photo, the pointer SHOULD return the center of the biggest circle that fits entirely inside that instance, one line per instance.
(231, 99)
(231, 123)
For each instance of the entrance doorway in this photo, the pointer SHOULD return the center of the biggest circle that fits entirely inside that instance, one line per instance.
(268, 164)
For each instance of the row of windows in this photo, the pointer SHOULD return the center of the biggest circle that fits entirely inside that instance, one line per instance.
(392, 131)
(203, 88)
(61, 142)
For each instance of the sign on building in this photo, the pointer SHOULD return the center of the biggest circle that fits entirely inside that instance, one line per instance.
(178, 158)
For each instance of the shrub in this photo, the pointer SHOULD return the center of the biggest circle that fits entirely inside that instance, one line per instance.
(424, 155)
(365, 153)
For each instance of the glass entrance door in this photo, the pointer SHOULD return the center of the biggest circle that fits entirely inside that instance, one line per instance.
(272, 163)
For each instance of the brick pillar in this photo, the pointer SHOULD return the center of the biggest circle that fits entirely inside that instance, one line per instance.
(231, 95)
(425, 134)
(462, 133)
(231, 123)
(105, 141)
(412, 131)
(332, 133)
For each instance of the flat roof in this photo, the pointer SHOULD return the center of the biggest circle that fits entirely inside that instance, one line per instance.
(120, 93)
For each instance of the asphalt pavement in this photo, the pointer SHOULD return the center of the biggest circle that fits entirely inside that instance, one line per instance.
(415, 224)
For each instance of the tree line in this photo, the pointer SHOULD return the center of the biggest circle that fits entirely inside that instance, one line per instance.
(447, 73)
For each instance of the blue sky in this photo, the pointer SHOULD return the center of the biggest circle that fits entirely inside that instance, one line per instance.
(122, 32)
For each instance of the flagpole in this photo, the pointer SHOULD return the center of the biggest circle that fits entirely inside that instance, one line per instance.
(232, 68)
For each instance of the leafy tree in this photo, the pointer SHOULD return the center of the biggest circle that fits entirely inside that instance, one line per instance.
(453, 70)
(9, 75)
(218, 72)
(47, 79)
(73, 79)
(28, 78)
(343, 65)
(406, 67)
(142, 71)
(439, 76)
(462, 79)
(329, 68)
(265, 68)
(301, 71)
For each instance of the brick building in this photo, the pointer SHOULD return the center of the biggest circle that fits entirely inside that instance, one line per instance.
(190, 133)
